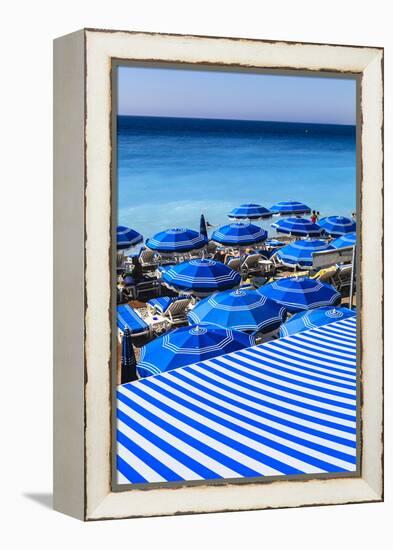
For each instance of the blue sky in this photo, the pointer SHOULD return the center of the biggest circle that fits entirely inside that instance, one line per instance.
(219, 94)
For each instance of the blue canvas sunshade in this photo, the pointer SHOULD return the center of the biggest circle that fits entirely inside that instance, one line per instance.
(290, 207)
(176, 240)
(239, 309)
(337, 225)
(300, 293)
(249, 211)
(345, 240)
(298, 227)
(286, 407)
(300, 253)
(201, 276)
(126, 237)
(314, 318)
(127, 317)
(187, 345)
(239, 234)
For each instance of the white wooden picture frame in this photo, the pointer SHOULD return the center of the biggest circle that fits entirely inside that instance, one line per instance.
(83, 336)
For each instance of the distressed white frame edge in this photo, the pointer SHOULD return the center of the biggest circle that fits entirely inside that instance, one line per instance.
(100, 502)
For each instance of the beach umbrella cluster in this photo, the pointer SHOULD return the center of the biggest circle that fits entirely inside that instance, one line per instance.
(176, 240)
(188, 345)
(298, 227)
(336, 226)
(301, 293)
(126, 237)
(201, 276)
(344, 241)
(250, 211)
(239, 234)
(315, 318)
(239, 309)
(300, 253)
(290, 207)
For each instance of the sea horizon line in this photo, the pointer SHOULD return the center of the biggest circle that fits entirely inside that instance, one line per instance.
(240, 120)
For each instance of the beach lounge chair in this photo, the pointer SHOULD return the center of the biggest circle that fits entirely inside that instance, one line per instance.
(149, 285)
(171, 310)
(342, 277)
(167, 259)
(127, 317)
(148, 259)
(325, 275)
(234, 263)
(251, 264)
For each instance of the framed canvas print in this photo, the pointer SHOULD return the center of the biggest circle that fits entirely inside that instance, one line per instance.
(218, 274)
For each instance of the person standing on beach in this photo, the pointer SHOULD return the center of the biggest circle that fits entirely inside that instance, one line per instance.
(314, 217)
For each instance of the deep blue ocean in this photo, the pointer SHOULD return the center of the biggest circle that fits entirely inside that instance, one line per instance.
(170, 170)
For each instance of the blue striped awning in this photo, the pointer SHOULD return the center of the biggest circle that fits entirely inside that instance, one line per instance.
(286, 407)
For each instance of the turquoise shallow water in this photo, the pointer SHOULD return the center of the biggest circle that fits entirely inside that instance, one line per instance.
(171, 170)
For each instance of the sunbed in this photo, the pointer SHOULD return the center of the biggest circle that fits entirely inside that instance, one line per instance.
(127, 317)
(170, 310)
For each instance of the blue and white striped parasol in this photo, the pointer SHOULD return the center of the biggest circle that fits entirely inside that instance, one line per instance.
(201, 276)
(314, 318)
(298, 227)
(249, 212)
(239, 309)
(176, 240)
(345, 240)
(287, 407)
(188, 345)
(337, 225)
(299, 253)
(239, 234)
(300, 293)
(290, 207)
(126, 237)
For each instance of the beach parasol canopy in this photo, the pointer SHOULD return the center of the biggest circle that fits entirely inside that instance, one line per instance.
(188, 345)
(203, 226)
(344, 241)
(128, 360)
(298, 227)
(244, 310)
(249, 211)
(176, 240)
(337, 225)
(301, 293)
(201, 276)
(239, 234)
(290, 207)
(300, 253)
(315, 318)
(126, 237)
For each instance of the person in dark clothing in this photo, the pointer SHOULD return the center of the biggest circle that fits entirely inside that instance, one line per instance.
(137, 271)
